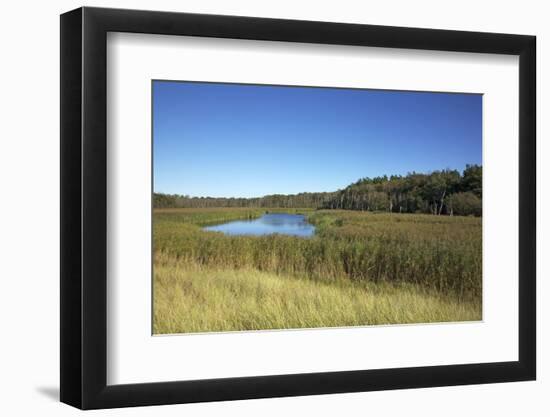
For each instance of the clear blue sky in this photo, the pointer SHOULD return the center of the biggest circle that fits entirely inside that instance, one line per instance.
(231, 140)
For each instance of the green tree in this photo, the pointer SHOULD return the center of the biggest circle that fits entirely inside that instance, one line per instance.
(472, 179)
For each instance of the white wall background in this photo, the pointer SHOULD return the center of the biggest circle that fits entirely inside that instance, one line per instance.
(29, 213)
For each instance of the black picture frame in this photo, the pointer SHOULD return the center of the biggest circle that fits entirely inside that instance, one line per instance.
(84, 207)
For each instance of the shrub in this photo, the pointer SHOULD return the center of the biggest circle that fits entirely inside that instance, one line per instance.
(464, 204)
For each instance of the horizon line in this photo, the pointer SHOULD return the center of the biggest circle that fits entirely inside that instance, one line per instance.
(461, 171)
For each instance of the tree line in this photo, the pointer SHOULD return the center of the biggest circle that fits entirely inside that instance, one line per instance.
(441, 192)
(301, 200)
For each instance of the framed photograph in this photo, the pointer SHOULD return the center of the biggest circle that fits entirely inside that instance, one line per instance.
(260, 208)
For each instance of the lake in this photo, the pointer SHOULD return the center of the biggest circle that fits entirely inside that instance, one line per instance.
(282, 223)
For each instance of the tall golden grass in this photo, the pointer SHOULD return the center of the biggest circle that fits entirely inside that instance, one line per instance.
(359, 269)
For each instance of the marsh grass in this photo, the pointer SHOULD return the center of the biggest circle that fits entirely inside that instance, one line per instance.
(189, 298)
(359, 269)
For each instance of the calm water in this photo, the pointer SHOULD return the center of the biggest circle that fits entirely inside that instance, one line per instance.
(285, 224)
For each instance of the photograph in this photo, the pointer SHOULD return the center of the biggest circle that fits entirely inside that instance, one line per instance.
(255, 207)
(298, 207)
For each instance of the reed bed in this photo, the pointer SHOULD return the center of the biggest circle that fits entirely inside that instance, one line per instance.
(360, 268)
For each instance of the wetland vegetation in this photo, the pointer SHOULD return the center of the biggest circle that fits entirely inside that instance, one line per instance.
(359, 268)
(286, 207)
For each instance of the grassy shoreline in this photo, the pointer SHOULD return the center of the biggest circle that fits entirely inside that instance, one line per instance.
(359, 269)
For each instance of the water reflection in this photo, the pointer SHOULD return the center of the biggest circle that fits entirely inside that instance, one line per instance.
(282, 223)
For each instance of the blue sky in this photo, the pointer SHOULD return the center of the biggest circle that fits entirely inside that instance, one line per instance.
(232, 140)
